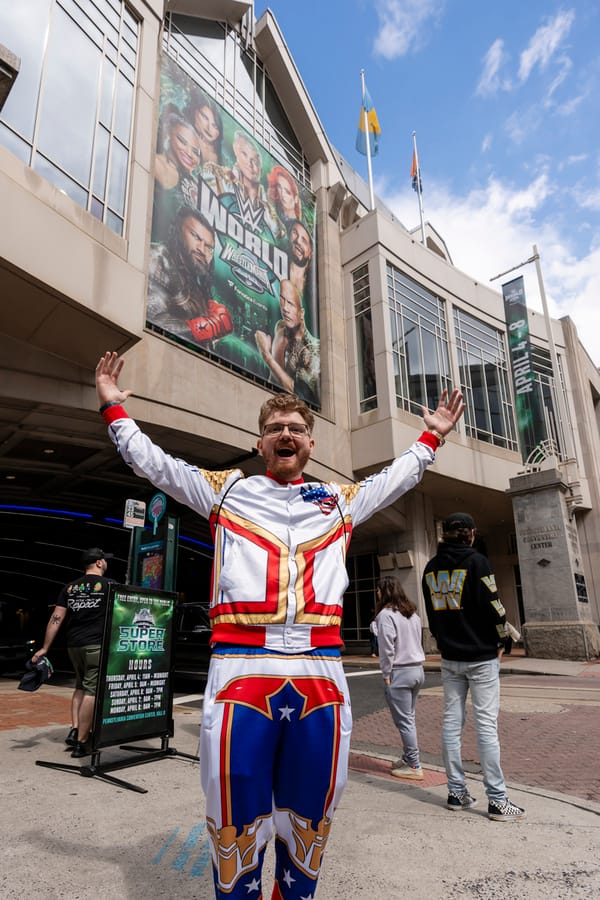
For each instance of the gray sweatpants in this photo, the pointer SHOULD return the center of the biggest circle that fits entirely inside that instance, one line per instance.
(401, 696)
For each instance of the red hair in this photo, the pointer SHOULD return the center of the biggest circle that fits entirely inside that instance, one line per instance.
(279, 172)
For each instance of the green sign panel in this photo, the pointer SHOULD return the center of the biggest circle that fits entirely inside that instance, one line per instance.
(135, 694)
(528, 411)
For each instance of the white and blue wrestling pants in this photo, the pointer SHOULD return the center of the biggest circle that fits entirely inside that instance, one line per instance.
(273, 758)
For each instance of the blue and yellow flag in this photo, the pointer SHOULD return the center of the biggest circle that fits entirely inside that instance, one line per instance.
(372, 125)
(415, 174)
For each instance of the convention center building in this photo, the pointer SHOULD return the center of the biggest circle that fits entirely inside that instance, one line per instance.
(169, 192)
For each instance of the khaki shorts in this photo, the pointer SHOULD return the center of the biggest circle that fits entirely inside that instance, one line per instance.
(86, 662)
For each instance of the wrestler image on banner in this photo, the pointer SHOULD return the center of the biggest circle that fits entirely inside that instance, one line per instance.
(232, 270)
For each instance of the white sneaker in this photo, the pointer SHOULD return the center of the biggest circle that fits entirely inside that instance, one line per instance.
(412, 773)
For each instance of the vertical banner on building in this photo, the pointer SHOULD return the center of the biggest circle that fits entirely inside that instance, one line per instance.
(232, 269)
(135, 692)
(530, 421)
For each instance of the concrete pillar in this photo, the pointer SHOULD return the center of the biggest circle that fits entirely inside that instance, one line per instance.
(557, 624)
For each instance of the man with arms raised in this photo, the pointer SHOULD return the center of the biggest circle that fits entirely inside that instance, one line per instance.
(276, 719)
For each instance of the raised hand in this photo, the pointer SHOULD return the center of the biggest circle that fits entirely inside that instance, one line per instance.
(108, 371)
(448, 412)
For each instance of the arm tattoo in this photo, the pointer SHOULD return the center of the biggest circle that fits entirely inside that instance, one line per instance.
(56, 620)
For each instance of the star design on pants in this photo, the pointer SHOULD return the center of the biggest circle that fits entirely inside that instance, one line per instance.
(287, 877)
(253, 885)
(310, 897)
(286, 712)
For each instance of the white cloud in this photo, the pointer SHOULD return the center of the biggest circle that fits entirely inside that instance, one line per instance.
(486, 143)
(589, 199)
(490, 82)
(495, 227)
(570, 106)
(401, 25)
(565, 65)
(573, 160)
(522, 123)
(545, 42)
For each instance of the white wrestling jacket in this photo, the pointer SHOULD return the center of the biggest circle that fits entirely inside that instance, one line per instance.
(279, 570)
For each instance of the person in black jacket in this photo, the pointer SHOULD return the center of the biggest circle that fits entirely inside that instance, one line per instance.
(467, 619)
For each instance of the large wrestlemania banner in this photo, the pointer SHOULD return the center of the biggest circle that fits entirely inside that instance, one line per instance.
(232, 270)
(135, 694)
(530, 422)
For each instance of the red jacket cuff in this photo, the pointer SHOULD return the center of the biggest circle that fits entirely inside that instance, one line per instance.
(430, 439)
(114, 412)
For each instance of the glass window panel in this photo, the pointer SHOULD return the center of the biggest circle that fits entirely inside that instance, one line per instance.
(127, 70)
(115, 223)
(130, 23)
(367, 387)
(230, 58)
(547, 387)
(129, 39)
(112, 10)
(124, 109)
(128, 55)
(68, 117)
(73, 9)
(97, 209)
(94, 13)
(349, 618)
(206, 36)
(14, 143)
(366, 362)
(101, 162)
(412, 348)
(394, 330)
(23, 27)
(478, 387)
(118, 177)
(106, 92)
(279, 130)
(60, 180)
(63, 91)
(484, 381)
(494, 399)
(245, 78)
(111, 53)
(419, 342)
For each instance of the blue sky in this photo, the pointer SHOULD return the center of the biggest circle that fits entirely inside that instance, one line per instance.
(504, 99)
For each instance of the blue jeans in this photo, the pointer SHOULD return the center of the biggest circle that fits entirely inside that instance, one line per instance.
(401, 696)
(483, 679)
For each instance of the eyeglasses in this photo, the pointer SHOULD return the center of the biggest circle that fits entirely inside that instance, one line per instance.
(294, 428)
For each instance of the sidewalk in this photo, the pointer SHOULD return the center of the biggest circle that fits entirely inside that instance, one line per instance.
(83, 838)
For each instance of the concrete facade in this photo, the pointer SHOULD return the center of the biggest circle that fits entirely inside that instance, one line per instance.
(84, 291)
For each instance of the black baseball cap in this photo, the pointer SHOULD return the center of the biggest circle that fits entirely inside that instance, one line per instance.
(36, 674)
(458, 520)
(90, 556)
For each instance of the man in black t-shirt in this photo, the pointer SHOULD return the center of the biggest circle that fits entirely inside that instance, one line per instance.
(82, 602)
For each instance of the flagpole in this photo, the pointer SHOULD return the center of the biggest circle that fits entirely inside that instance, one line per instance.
(414, 135)
(368, 142)
(562, 412)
